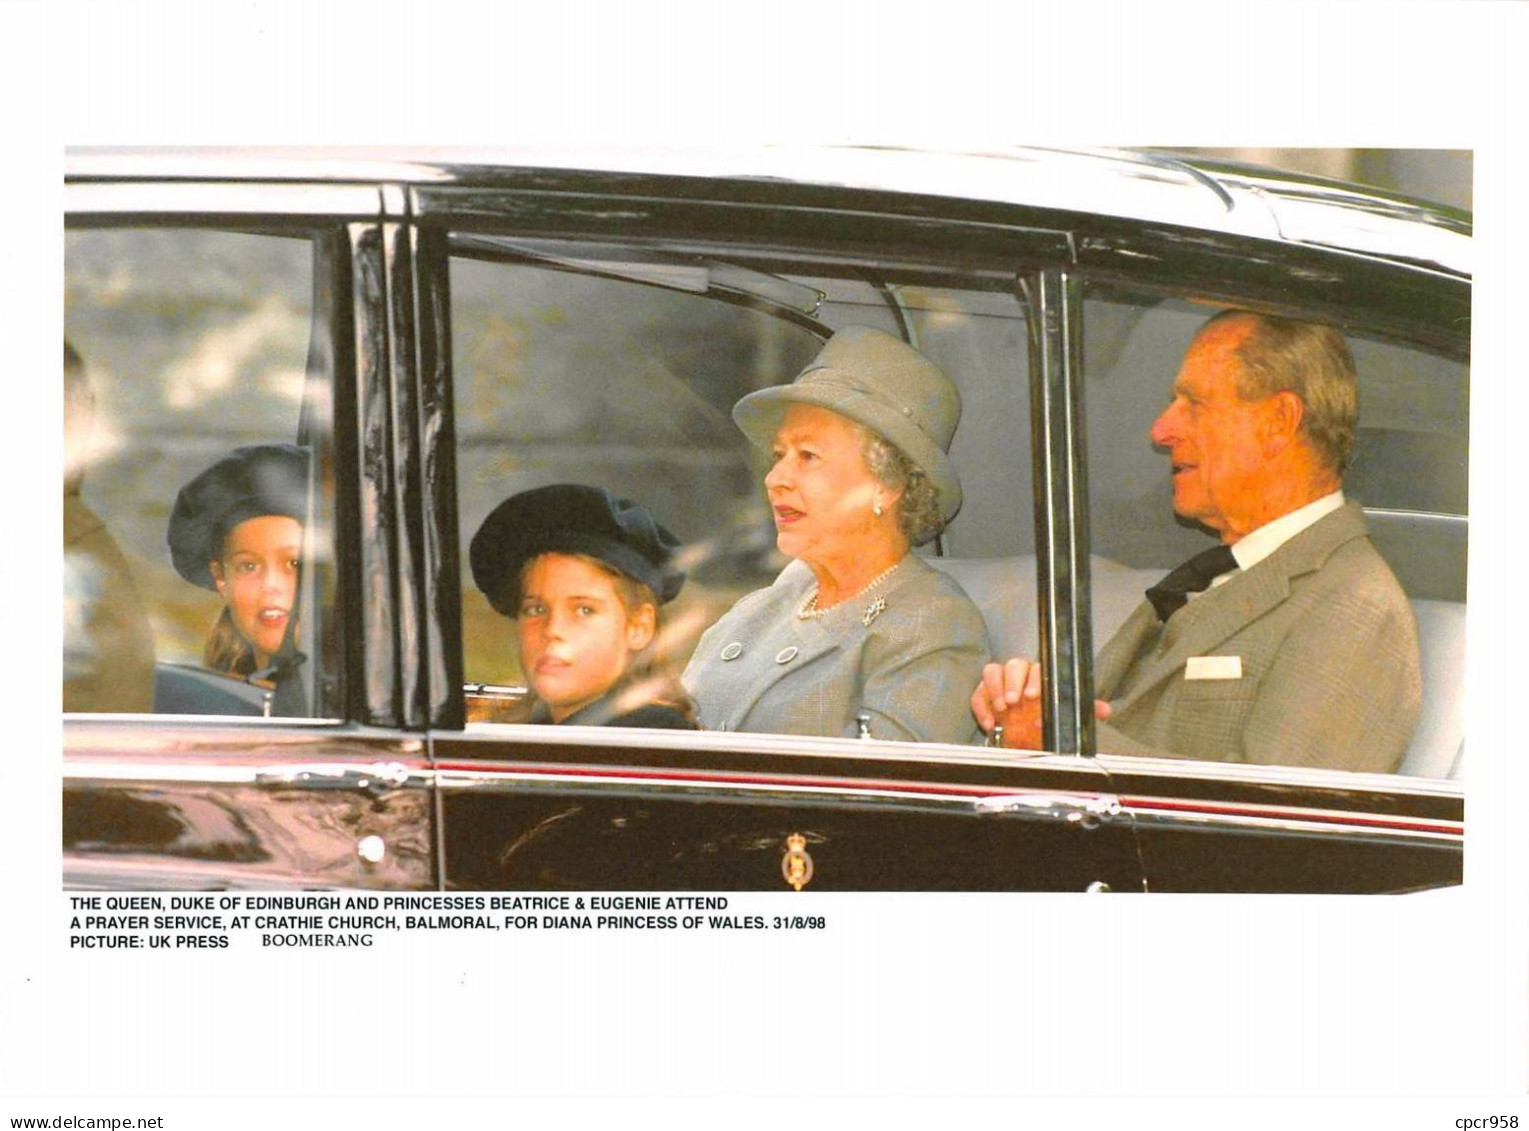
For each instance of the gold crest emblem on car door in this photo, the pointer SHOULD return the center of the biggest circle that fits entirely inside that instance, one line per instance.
(796, 864)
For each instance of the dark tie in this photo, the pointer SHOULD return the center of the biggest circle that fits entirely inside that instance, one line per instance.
(1170, 594)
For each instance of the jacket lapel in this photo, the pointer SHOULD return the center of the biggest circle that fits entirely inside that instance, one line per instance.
(1219, 614)
(1209, 620)
(1115, 657)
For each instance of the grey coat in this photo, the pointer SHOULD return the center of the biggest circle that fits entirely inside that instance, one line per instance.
(912, 668)
(1328, 651)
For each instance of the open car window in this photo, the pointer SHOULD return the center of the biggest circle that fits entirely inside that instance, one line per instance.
(190, 345)
(1407, 470)
(619, 368)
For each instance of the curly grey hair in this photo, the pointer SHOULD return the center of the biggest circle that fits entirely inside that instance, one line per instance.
(918, 511)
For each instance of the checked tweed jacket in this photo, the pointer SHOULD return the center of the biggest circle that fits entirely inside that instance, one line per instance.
(1329, 656)
(912, 669)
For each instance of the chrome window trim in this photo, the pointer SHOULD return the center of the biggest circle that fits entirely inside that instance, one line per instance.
(1308, 777)
(1145, 818)
(1153, 806)
(322, 164)
(1447, 518)
(266, 773)
(203, 773)
(222, 199)
(231, 740)
(850, 750)
(242, 722)
(1059, 481)
(971, 801)
(739, 742)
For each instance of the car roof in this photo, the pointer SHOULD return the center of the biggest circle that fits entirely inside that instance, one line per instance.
(1145, 186)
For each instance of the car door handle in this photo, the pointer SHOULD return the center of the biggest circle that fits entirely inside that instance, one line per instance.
(378, 777)
(1089, 810)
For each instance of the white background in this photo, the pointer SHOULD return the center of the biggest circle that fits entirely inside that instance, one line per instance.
(1322, 1011)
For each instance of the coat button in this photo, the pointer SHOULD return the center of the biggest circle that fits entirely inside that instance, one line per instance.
(732, 651)
(786, 655)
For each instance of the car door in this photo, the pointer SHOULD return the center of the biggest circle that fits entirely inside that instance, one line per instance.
(1214, 826)
(207, 316)
(587, 333)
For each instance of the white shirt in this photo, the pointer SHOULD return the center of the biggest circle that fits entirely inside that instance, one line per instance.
(1253, 548)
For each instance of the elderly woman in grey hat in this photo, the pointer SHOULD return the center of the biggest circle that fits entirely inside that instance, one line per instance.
(857, 632)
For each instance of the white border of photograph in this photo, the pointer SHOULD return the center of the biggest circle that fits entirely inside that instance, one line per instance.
(908, 998)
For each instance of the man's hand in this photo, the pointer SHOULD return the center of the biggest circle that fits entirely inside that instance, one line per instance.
(1002, 688)
(1010, 696)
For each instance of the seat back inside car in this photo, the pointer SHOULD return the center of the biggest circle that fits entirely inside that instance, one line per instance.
(1004, 590)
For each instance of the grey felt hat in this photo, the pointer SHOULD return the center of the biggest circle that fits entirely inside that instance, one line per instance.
(881, 382)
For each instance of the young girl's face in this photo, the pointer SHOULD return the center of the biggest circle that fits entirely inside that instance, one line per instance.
(257, 578)
(576, 637)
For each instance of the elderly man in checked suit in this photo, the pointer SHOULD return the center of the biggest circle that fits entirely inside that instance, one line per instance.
(1289, 643)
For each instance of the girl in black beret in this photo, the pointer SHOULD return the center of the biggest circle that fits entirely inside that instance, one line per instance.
(584, 575)
(237, 528)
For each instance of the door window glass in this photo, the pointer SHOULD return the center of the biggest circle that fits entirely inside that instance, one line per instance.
(619, 368)
(192, 372)
(1407, 469)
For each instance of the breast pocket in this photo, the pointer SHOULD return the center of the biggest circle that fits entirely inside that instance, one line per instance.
(1209, 716)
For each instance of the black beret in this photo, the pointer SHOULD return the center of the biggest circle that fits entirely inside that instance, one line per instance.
(247, 483)
(569, 518)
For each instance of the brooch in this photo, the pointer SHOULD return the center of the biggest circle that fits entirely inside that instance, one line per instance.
(874, 610)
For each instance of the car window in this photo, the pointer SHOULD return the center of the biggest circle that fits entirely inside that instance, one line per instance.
(1407, 469)
(188, 347)
(619, 367)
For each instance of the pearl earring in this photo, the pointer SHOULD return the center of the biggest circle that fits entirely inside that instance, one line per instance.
(876, 508)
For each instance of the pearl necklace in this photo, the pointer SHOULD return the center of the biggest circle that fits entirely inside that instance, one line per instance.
(810, 610)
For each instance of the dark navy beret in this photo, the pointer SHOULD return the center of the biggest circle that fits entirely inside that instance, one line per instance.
(247, 483)
(569, 518)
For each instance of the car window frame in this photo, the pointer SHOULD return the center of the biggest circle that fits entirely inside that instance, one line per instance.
(362, 777)
(333, 219)
(1364, 295)
(691, 216)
